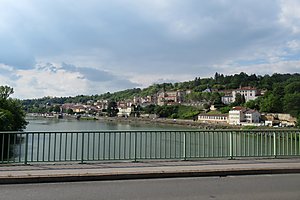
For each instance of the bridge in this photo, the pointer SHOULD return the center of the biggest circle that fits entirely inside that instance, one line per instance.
(88, 146)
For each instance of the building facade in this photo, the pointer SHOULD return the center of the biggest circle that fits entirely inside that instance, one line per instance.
(249, 93)
(240, 115)
(213, 118)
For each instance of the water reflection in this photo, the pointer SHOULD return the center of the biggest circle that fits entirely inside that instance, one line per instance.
(9, 146)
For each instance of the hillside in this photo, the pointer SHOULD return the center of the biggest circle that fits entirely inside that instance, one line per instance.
(282, 91)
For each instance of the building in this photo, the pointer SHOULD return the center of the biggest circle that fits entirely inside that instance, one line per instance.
(252, 116)
(213, 118)
(240, 115)
(249, 93)
(170, 97)
(236, 115)
(279, 119)
(124, 112)
(228, 99)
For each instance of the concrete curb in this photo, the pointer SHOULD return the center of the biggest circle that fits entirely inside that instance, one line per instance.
(142, 175)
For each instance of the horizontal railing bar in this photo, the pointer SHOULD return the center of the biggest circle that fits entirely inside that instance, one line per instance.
(164, 131)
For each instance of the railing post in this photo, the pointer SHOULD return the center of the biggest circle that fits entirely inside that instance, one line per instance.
(274, 145)
(184, 146)
(230, 146)
(82, 148)
(26, 149)
(135, 146)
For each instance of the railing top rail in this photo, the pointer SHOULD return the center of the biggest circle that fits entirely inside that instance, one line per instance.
(134, 131)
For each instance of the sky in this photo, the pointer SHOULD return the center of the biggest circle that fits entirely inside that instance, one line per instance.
(68, 48)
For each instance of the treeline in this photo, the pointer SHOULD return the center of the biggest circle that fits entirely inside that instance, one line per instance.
(282, 92)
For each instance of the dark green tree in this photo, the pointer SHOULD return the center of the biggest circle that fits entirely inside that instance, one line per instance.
(5, 92)
(56, 108)
(298, 121)
(12, 118)
(253, 104)
(112, 109)
(12, 115)
(150, 109)
(239, 99)
(70, 111)
(292, 104)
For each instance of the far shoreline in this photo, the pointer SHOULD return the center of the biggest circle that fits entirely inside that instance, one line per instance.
(183, 123)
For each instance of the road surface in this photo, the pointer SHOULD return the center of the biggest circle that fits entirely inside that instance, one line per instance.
(235, 187)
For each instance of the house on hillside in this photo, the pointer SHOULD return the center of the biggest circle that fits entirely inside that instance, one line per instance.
(170, 97)
(250, 93)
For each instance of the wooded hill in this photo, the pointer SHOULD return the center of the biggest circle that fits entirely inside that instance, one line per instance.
(282, 96)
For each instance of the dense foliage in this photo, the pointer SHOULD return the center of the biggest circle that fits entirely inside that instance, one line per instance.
(12, 118)
(12, 115)
(173, 111)
(112, 109)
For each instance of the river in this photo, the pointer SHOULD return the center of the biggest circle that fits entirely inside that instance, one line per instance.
(53, 124)
(125, 144)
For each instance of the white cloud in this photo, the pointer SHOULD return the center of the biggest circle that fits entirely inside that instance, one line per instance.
(55, 79)
(262, 69)
(290, 15)
(294, 45)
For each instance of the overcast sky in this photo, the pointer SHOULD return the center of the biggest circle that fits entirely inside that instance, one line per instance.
(67, 47)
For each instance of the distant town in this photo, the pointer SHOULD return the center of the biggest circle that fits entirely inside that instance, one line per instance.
(209, 101)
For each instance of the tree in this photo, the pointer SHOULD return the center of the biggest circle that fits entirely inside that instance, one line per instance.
(5, 92)
(298, 121)
(292, 104)
(56, 108)
(239, 99)
(268, 103)
(150, 109)
(292, 87)
(112, 109)
(12, 115)
(12, 118)
(253, 104)
(70, 111)
(166, 111)
(225, 109)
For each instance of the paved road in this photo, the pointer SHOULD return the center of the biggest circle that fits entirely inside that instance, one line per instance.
(236, 187)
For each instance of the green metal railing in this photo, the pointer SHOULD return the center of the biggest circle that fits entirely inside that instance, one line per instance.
(25, 147)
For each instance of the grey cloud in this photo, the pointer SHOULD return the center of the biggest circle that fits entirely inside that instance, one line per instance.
(59, 28)
(184, 37)
(98, 76)
(89, 73)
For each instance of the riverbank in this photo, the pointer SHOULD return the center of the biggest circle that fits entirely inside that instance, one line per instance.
(164, 121)
(180, 123)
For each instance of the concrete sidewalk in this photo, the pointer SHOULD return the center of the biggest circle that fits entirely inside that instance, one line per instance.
(63, 172)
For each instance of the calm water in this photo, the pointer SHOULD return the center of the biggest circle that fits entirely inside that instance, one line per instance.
(52, 124)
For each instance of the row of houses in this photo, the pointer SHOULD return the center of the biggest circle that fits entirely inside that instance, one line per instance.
(167, 98)
(177, 97)
(237, 116)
